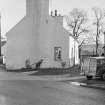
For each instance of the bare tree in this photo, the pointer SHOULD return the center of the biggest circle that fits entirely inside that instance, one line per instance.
(98, 22)
(76, 21)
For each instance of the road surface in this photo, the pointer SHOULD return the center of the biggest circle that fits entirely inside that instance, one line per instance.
(20, 89)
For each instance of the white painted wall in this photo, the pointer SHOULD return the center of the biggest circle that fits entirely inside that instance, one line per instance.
(73, 51)
(22, 44)
(76, 52)
(35, 37)
(56, 37)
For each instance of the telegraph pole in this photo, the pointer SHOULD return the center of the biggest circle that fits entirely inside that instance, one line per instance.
(104, 43)
(74, 52)
(1, 58)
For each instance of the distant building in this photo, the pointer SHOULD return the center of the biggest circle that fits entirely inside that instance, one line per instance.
(39, 36)
(91, 49)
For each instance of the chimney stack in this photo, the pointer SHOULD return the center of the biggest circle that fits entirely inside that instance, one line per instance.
(34, 7)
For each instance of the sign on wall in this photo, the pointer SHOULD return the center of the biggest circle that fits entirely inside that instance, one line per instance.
(57, 53)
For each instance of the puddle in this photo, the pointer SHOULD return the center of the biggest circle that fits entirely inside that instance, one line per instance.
(75, 83)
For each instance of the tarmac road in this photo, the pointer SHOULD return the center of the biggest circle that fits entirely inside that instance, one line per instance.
(20, 89)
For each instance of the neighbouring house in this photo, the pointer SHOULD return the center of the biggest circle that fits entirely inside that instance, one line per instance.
(91, 48)
(39, 36)
(90, 51)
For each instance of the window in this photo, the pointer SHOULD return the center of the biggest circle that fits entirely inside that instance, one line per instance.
(57, 53)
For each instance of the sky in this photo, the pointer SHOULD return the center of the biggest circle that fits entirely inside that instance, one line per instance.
(12, 11)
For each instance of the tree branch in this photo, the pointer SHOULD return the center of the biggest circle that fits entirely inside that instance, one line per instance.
(79, 26)
(82, 31)
(81, 43)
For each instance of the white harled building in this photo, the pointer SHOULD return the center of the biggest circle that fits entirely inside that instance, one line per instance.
(39, 36)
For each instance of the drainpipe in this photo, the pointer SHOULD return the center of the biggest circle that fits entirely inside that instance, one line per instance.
(104, 43)
(74, 51)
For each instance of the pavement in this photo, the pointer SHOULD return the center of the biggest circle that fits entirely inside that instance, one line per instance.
(96, 86)
(75, 80)
(24, 89)
(83, 82)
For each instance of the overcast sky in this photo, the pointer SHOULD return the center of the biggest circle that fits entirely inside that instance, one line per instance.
(13, 10)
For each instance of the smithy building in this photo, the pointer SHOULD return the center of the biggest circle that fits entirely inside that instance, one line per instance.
(39, 36)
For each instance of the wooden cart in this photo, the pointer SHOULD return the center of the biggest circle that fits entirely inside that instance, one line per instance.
(93, 67)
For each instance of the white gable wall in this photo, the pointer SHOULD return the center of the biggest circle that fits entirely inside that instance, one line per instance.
(55, 36)
(35, 37)
(22, 42)
(73, 51)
